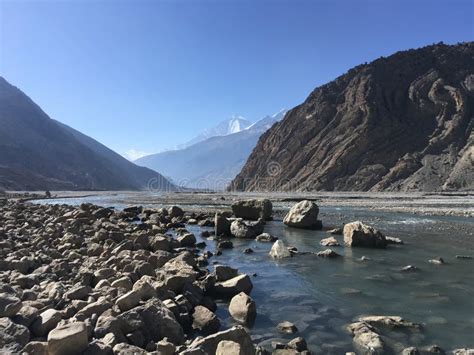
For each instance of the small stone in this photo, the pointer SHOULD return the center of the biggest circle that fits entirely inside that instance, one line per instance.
(225, 244)
(287, 327)
(436, 261)
(409, 268)
(248, 251)
(329, 242)
(279, 250)
(328, 253)
(265, 237)
(299, 344)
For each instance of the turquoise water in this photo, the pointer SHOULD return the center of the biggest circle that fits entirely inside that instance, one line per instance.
(321, 296)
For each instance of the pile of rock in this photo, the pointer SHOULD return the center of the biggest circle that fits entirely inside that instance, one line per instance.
(85, 279)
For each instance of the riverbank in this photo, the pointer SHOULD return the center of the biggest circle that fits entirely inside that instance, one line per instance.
(119, 273)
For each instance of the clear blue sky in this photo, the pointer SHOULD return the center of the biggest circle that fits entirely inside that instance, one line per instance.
(148, 75)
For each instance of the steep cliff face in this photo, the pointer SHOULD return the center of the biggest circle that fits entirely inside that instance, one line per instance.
(400, 123)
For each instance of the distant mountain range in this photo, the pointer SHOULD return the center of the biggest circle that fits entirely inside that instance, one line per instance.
(233, 125)
(401, 123)
(38, 153)
(212, 163)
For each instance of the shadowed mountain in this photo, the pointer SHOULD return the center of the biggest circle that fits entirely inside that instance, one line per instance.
(397, 124)
(38, 153)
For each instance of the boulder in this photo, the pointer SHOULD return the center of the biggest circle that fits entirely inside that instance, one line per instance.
(298, 344)
(175, 211)
(36, 348)
(253, 209)
(242, 308)
(221, 225)
(224, 273)
(328, 253)
(357, 234)
(9, 305)
(187, 240)
(279, 250)
(240, 229)
(128, 301)
(233, 286)
(235, 334)
(13, 336)
(265, 237)
(303, 215)
(45, 322)
(287, 327)
(68, 339)
(205, 321)
(365, 339)
(329, 242)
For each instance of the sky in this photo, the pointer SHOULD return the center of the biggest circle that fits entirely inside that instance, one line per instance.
(143, 76)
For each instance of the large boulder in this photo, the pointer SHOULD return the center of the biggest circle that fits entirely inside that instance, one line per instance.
(221, 225)
(279, 250)
(253, 209)
(303, 215)
(357, 234)
(205, 321)
(242, 308)
(240, 229)
(68, 339)
(235, 334)
(233, 286)
(45, 322)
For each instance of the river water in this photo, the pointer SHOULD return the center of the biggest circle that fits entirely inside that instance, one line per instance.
(321, 296)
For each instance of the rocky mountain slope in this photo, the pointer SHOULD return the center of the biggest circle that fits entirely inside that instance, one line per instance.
(400, 123)
(212, 163)
(38, 153)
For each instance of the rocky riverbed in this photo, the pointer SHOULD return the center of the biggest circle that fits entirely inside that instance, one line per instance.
(96, 280)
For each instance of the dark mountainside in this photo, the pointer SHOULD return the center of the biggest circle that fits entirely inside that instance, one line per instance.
(38, 153)
(400, 123)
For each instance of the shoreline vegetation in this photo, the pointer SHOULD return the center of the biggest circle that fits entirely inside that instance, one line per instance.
(95, 280)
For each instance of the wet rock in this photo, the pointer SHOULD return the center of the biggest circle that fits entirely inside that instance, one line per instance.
(9, 305)
(279, 250)
(329, 242)
(410, 351)
(464, 257)
(357, 234)
(253, 209)
(365, 339)
(242, 308)
(240, 229)
(394, 240)
(205, 321)
(236, 334)
(221, 225)
(436, 261)
(233, 286)
(265, 237)
(409, 268)
(463, 351)
(389, 321)
(248, 251)
(336, 231)
(225, 244)
(432, 349)
(298, 344)
(68, 339)
(303, 215)
(287, 327)
(13, 336)
(328, 253)
(224, 273)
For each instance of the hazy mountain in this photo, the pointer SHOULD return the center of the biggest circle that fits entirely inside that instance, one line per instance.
(212, 163)
(397, 124)
(38, 153)
(232, 125)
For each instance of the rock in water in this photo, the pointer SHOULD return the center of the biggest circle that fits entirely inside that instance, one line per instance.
(68, 339)
(329, 242)
(205, 321)
(279, 250)
(227, 347)
(240, 229)
(221, 225)
(242, 308)
(357, 234)
(303, 215)
(236, 334)
(233, 286)
(253, 209)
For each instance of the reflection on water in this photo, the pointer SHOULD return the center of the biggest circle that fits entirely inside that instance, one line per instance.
(321, 296)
